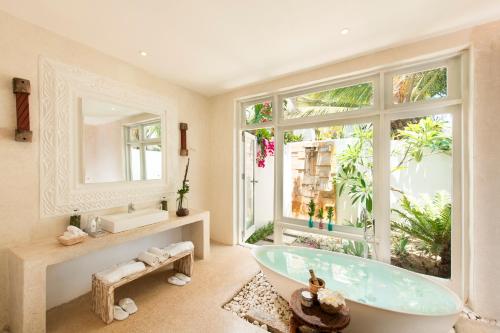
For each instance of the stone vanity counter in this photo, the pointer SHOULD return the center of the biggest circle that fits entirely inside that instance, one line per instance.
(28, 263)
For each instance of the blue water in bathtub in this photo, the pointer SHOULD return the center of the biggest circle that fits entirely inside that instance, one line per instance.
(361, 280)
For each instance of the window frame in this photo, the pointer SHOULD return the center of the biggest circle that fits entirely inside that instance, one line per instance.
(141, 143)
(380, 114)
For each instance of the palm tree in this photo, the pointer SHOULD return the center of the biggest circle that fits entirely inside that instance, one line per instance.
(430, 224)
(414, 87)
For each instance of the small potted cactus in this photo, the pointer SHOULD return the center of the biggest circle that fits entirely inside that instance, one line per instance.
(329, 215)
(311, 209)
(320, 216)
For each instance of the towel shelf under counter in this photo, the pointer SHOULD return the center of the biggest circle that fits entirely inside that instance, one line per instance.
(28, 263)
(103, 294)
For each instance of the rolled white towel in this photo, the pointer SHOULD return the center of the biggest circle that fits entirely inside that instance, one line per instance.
(158, 251)
(149, 258)
(176, 248)
(116, 273)
(108, 270)
(75, 231)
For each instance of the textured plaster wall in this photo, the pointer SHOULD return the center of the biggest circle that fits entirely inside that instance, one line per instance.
(20, 46)
(484, 233)
(485, 227)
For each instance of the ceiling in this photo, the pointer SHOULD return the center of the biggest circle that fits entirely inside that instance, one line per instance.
(213, 46)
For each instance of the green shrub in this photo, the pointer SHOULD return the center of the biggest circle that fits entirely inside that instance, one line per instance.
(261, 233)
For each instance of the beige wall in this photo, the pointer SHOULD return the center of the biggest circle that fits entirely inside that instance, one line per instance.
(485, 219)
(20, 46)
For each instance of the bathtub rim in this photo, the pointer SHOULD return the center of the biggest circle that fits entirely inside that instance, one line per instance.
(451, 292)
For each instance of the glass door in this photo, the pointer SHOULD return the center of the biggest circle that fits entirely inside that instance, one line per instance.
(249, 155)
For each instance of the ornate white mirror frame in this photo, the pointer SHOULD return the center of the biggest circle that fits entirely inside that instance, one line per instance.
(62, 88)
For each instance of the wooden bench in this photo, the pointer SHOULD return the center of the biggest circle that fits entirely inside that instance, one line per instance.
(103, 295)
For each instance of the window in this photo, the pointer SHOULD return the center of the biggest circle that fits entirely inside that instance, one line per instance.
(320, 103)
(258, 113)
(421, 192)
(420, 86)
(143, 151)
(332, 166)
(383, 154)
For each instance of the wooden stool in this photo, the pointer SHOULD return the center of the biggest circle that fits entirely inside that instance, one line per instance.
(314, 317)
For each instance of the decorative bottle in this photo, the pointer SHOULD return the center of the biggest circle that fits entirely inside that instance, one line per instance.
(74, 220)
(164, 204)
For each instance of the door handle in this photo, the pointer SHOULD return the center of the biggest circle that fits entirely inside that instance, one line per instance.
(254, 181)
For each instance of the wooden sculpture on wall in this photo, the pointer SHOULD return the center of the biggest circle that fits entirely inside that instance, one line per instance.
(183, 127)
(22, 91)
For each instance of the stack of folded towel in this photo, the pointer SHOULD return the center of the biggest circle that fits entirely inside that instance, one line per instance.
(152, 257)
(73, 232)
(174, 249)
(155, 256)
(118, 272)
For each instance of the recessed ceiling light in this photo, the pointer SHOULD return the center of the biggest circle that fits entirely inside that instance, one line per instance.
(112, 109)
(344, 31)
(143, 53)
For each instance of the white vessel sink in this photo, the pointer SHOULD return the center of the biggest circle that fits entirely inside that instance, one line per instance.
(125, 221)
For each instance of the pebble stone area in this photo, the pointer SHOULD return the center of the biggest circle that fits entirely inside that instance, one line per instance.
(258, 293)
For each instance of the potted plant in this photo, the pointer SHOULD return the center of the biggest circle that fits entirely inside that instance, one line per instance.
(181, 211)
(311, 209)
(329, 215)
(320, 218)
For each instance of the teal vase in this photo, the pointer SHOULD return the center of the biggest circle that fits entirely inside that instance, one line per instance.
(311, 223)
(330, 225)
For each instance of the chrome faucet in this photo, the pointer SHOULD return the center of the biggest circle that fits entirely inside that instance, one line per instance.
(131, 208)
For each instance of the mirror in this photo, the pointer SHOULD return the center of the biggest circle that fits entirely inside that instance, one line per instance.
(119, 143)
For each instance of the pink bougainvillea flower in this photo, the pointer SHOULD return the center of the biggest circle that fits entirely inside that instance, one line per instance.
(266, 149)
(270, 148)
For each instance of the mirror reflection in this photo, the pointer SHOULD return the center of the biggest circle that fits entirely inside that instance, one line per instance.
(120, 143)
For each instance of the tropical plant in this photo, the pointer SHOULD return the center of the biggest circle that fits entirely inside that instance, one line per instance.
(311, 208)
(320, 214)
(182, 193)
(256, 114)
(426, 135)
(329, 213)
(414, 87)
(354, 248)
(261, 233)
(289, 137)
(356, 161)
(329, 101)
(266, 146)
(429, 223)
(259, 113)
(400, 245)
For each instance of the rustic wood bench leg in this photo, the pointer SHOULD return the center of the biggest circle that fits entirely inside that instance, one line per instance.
(185, 265)
(103, 299)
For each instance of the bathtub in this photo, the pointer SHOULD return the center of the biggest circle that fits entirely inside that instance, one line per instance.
(382, 298)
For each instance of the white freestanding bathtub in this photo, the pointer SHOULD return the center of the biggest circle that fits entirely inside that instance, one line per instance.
(382, 298)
